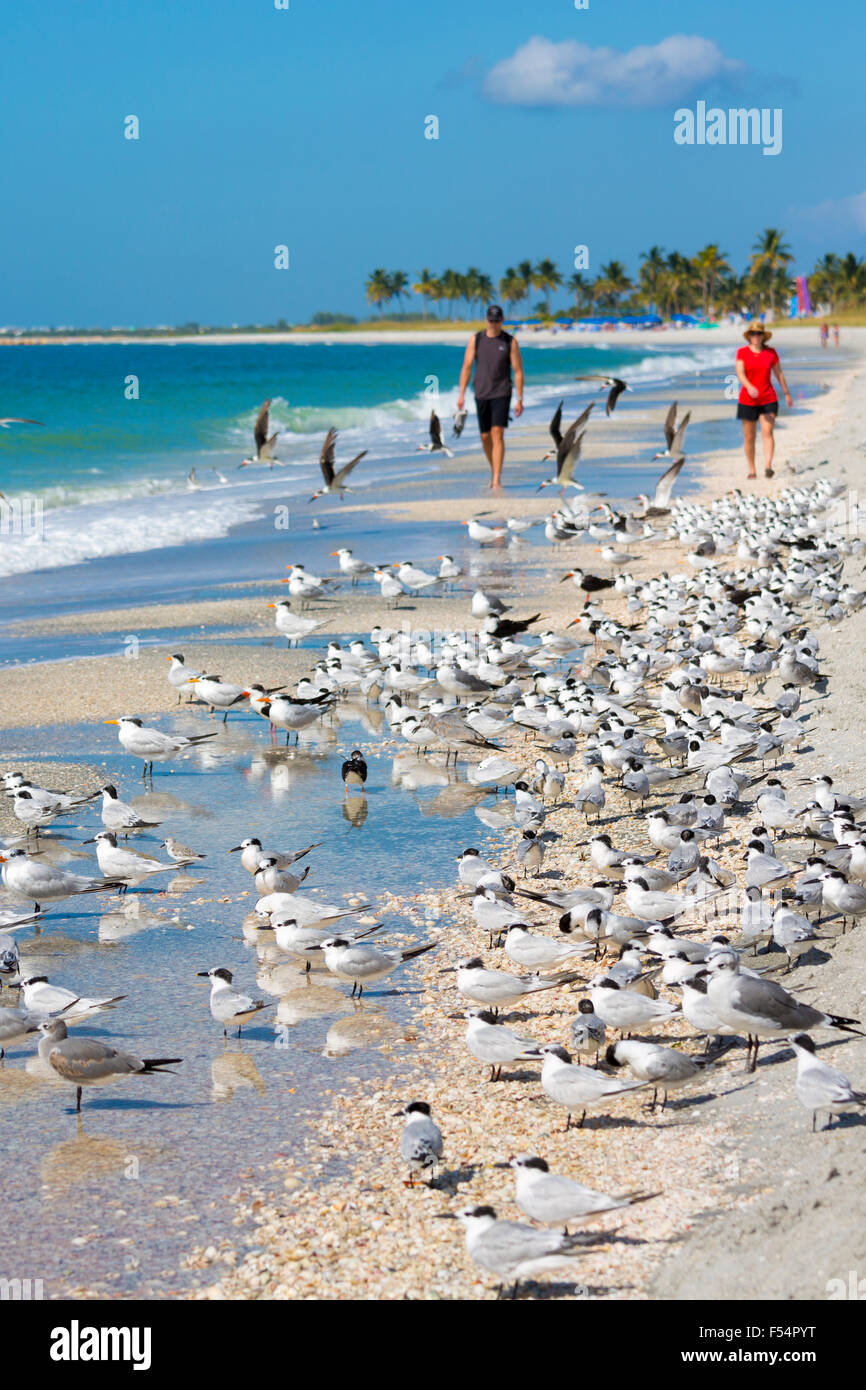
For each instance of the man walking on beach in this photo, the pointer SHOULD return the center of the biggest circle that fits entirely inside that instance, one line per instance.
(495, 354)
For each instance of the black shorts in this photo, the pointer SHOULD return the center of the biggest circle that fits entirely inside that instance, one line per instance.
(751, 412)
(493, 411)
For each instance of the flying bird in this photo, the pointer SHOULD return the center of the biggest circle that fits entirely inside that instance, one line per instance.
(263, 441)
(435, 446)
(615, 389)
(334, 482)
(674, 433)
(660, 504)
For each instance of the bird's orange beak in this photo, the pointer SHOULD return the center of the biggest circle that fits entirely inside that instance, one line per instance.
(271, 605)
(192, 680)
(332, 553)
(111, 721)
(283, 581)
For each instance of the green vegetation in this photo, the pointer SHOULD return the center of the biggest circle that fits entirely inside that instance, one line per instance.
(666, 283)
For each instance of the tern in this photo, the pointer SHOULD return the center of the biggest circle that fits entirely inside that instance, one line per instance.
(120, 817)
(515, 1251)
(44, 882)
(820, 1086)
(294, 626)
(615, 388)
(152, 745)
(674, 433)
(496, 988)
(363, 963)
(88, 1062)
(251, 852)
(436, 445)
(229, 1006)
(421, 1140)
(126, 866)
(335, 481)
(555, 1200)
(577, 1087)
(496, 1045)
(664, 1068)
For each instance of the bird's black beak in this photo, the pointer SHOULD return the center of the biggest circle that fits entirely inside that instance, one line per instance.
(89, 842)
(448, 970)
(234, 849)
(444, 1216)
(202, 974)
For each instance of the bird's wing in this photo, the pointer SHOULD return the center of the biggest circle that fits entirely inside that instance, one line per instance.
(767, 999)
(584, 415)
(670, 424)
(18, 420)
(554, 426)
(435, 429)
(665, 484)
(676, 443)
(326, 457)
(570, 458)
(615, 392)
(347, 468)
(260, 429)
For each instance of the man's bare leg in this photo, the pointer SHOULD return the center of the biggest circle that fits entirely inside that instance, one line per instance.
(487, 446)
(750, 430)
(497, 455)
(768, 440)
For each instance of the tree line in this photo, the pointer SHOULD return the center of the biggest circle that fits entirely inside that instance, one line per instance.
(666, 283)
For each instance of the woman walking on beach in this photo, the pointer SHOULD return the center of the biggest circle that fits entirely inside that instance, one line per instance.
(756, 366)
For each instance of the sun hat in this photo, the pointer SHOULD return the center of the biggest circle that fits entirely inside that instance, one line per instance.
(756, 327)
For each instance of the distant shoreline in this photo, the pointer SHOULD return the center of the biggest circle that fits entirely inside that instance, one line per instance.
(450, 336)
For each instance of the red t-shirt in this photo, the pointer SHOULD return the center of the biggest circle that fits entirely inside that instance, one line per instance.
(758, 366)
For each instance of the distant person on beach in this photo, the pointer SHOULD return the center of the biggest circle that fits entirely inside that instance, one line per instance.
(824, 335)
(495, 355)
(835, 331)
(756, 365)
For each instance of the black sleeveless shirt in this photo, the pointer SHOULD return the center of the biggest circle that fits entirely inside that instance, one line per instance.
(492, 366)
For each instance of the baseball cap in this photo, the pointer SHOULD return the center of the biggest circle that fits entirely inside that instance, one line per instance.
(494, 314)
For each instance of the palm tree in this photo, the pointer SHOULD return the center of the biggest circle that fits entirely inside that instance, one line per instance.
(650, 273)
(452, 288)
(485, 290)
(378, 288)
(399, 284)
(824, 280)
(472, 281)
(612, 284)
(424, 285)
(546, 278)
(526, 273)
(851, 281)
(581, 292)
(512, 287)
(709, 264)
(770, 259)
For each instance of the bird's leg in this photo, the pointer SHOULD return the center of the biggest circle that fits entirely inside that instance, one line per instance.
(354, 987)
(77, 1100)
(814, 1117)
(567, 1122)
(582, 1118)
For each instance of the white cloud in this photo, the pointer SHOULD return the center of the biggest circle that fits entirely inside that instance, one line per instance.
(544, 73)
(845, 213)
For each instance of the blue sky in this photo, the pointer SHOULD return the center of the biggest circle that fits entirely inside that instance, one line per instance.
(306, 127)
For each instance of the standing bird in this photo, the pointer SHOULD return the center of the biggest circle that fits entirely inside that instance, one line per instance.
(615, 389)
(227, 1005)
(421, 1140)
(436, 445)
(88, 1062)
(589, 583)
(353, 771)
(514, 1250)
(820, 1086)
(334, 481)
(263, 441)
